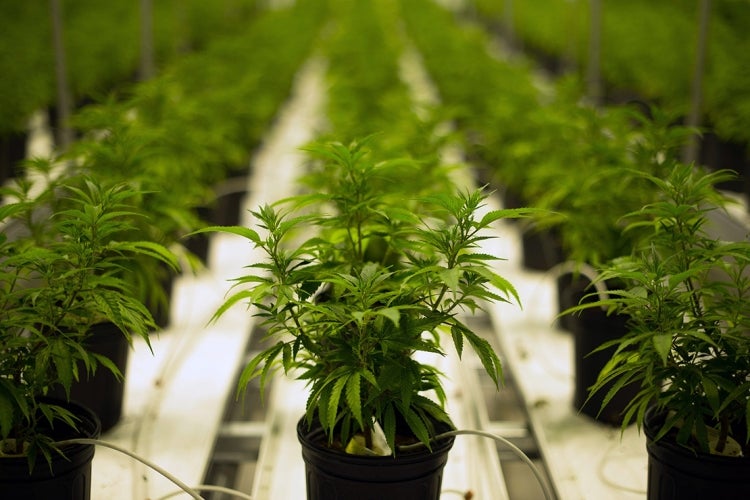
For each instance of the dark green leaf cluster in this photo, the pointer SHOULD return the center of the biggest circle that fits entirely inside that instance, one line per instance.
(27, 59)
(63, 249)
(688, 346)
(632, 28)
(609, 150)
(356, 281)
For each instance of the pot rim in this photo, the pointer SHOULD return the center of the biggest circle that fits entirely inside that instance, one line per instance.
(651, 426)
(308, 437)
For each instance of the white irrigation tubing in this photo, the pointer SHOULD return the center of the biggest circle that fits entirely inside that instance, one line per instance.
(187, 489)
(184, 488)
(518, 452)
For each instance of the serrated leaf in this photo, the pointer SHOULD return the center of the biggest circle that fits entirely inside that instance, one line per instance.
(458, 339)
(509, 213)
(333, 401)
(389, 426)
(231, 301)
(287, 358)
(498, 282)
(353, 397)
(392, 313)
(242, 231)
(109, 365)
(152, 249)
(265, 358)
(477, 257)
(663, 345)
(488, 357)
(712, 393)
(416, 425)
(436, 411)
(451, 278)
(63, 362)
(369, 377)
(320, 402)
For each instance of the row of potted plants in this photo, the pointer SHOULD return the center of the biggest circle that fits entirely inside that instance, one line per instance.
(90, 236)
(101, 42)
(669, 33)
(373, 265)
(305, 300)
(379, 256)
(368, 93)
(497, 106)
(186, 124)
(102, 48)
(591, 168)
(539, 144)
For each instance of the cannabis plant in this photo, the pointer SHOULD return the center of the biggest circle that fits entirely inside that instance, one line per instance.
(117, 145)
(356, 280)
(688, 344)
(62, 251)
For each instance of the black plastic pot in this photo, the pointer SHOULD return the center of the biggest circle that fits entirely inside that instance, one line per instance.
(570, 290)
(596, 328)
(102, 392)
(230, 195)
(678, 473)
(67, 478)
(12, 152)
(197, 244)
(541, 248)
(335, 475)
(591, 328)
